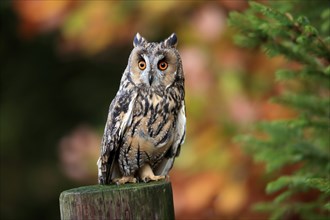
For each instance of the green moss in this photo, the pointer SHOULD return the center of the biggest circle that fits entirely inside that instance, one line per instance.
(129, 186)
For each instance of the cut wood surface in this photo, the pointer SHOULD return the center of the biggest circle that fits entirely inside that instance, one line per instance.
(152, 200)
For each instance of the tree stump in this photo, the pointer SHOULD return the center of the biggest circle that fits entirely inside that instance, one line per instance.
(152, 200)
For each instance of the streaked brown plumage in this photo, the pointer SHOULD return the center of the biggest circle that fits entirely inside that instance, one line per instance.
(146, 120)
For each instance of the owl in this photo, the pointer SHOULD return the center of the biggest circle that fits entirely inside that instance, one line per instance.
(146, 123)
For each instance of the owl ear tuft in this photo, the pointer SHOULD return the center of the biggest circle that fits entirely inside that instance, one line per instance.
(171, 41)
(138, 40)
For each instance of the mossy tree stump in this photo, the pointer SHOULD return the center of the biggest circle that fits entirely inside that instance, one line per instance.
(152, 200)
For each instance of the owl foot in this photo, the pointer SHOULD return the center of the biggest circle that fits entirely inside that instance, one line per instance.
(152, 178)
(146, 174)
(124, 179)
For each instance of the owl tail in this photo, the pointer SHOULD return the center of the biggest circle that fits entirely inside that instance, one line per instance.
(101, 171)
(107, 172)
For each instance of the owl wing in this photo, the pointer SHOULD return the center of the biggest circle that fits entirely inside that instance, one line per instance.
(166, 164)
(119, 117)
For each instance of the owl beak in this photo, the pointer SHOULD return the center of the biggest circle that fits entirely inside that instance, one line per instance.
(150, 78)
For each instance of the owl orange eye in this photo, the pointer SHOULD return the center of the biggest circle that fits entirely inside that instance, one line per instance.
(142, 65)
(162, 65)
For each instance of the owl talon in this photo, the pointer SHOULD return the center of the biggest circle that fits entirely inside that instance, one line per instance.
(145, 179)
(124, 179)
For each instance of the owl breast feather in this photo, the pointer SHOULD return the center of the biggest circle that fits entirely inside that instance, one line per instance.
(151, 132)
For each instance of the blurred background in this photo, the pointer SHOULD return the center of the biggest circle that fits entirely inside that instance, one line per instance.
(61, 63)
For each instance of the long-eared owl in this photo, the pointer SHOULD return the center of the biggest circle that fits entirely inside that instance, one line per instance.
(146, 121)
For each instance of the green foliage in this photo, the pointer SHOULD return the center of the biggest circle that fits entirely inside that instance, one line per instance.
(304, 140)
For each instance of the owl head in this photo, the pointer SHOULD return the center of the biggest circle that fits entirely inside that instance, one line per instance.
(155, 65)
